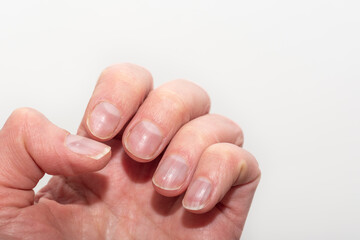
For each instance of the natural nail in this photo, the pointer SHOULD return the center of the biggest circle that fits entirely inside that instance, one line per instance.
(86, 146)
(171, 173)
(198, 194)
(144, 139)
(104, 120)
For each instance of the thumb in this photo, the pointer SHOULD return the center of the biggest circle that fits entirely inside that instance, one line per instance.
(31, 146)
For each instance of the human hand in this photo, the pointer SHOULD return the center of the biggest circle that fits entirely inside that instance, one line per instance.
(174, 171)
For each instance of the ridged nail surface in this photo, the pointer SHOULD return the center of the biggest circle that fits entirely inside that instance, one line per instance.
(171, 173)
(103, 120)
(86, 146)
(144, 139)
(198, 194)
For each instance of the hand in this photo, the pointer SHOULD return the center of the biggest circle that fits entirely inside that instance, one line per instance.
(174, 171)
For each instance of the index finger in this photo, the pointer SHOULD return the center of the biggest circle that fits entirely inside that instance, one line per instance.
(118, 93)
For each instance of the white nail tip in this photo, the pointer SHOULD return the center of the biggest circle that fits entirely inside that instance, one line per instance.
(171, 173)
(86, 146)
(100, 155)
(198, 194)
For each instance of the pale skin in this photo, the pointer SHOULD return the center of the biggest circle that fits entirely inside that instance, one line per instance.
(145, 164)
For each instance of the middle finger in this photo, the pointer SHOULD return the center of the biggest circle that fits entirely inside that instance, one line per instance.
(163, 112)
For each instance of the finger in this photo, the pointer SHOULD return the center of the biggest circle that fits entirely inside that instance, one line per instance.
(118, 94)
(221, 167)
(31, 145)
(181, 157)
(163, 112)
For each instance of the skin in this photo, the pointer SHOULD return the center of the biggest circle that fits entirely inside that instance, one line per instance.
(115, 195)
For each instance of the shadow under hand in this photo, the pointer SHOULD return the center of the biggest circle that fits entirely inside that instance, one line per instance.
(165, 206)
(138, 172)
(192, 220)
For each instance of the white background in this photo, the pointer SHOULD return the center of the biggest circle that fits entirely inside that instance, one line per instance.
(286, 71)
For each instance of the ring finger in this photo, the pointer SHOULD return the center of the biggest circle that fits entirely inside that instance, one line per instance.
(181, 158)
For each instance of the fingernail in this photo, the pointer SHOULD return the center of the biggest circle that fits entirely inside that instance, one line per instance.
(86, 146)
(103, 120)
(172, 173)
(144, 139)
(198, 194)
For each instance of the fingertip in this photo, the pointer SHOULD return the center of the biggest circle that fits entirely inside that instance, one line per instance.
(86, 146)
(85, 154)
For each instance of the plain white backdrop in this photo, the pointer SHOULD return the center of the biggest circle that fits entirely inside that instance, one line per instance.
(287, 71)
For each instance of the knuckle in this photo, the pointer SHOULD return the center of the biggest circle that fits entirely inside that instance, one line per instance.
(240, 163)
(129, 78)
(238, 132)
(197, 134)
(181, 81)
(229, 153)
(174, 102)
(22, 116)
(197, 88)
(187, 83)
(220, 151)
(126, 72)
(22, 120)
